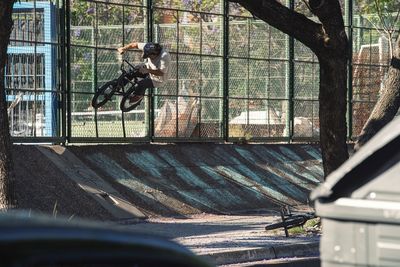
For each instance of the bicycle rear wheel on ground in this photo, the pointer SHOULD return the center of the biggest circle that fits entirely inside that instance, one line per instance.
(104, 94)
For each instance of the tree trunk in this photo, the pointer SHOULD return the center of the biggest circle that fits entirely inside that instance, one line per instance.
(332, 112)
(332, 52)
(6, 166)
(388, 103)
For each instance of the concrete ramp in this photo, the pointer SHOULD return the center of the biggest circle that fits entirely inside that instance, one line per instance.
(134, 181)
(91, 183)
(179, 179)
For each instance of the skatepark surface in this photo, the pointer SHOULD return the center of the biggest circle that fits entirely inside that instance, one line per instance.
(214, 198)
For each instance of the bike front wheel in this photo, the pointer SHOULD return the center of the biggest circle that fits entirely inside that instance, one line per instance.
(104, 94)
(130, 100)
(289, 223)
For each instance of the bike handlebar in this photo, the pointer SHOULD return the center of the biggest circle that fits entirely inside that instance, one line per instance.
(127, 62)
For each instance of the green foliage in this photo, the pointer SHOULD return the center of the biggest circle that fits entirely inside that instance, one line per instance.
(211, 6)
(370, 7)
(84, 14)
(201, 5)
(381, 13)
(310, 224)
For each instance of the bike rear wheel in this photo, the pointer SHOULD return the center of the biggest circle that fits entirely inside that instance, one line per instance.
(126, 102)
(104, 94)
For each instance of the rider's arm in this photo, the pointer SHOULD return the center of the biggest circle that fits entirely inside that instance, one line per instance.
(156, 72)
(132, 45)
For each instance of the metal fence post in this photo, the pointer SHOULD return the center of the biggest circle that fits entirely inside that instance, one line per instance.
(226, 71)
(68, 71)
(151, 91)
(62, 67)
(349, 17)
(291, 81)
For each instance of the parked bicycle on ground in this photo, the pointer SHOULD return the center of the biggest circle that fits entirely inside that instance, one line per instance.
(290, 220)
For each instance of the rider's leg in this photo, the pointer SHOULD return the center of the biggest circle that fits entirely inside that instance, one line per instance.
(133, 74)
(141, 87)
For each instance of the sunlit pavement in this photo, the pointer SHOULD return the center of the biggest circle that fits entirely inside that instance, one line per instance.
(235, 239)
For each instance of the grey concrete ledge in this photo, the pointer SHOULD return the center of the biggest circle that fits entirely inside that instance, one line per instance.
(267, 253)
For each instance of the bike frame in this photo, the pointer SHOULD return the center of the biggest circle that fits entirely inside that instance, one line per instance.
(120, 86)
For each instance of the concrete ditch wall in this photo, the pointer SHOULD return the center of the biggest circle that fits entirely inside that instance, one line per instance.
(126, 182)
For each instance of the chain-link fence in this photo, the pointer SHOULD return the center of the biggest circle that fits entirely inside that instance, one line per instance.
(232, 77)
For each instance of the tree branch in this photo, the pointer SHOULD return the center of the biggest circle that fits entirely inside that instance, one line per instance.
(288, 21)
(330, 15)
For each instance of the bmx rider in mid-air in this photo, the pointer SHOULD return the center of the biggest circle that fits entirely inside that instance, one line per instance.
(156, 65)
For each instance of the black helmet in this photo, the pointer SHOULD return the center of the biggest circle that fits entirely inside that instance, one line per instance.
(151, 49)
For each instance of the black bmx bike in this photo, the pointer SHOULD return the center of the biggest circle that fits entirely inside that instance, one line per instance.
(290, 220)
(125, 85)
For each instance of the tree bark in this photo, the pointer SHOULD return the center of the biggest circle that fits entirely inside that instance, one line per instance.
(328, 40)
(388, 103)
(7, 176)
(332, 112)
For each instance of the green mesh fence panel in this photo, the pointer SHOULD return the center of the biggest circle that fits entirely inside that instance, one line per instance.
(370, 58)
(257, 118)
(277, 79)
(306, 121)
(259, 35)
(211, 76)
(171, 85)
(82, 118)
(189, 68)
(306, 81)
(238, 77)
(259, 82)
(266, 42)
(267, 79)
(97, 30)
(82, 35)
(212, 36)
(239, 31)
(303, 53)
(165, 29)
(109, 124)
(305, 93)
(82, 69)
(210, 114)
(189, 38)
(165, 124)
(360, 116)
(370, 63)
